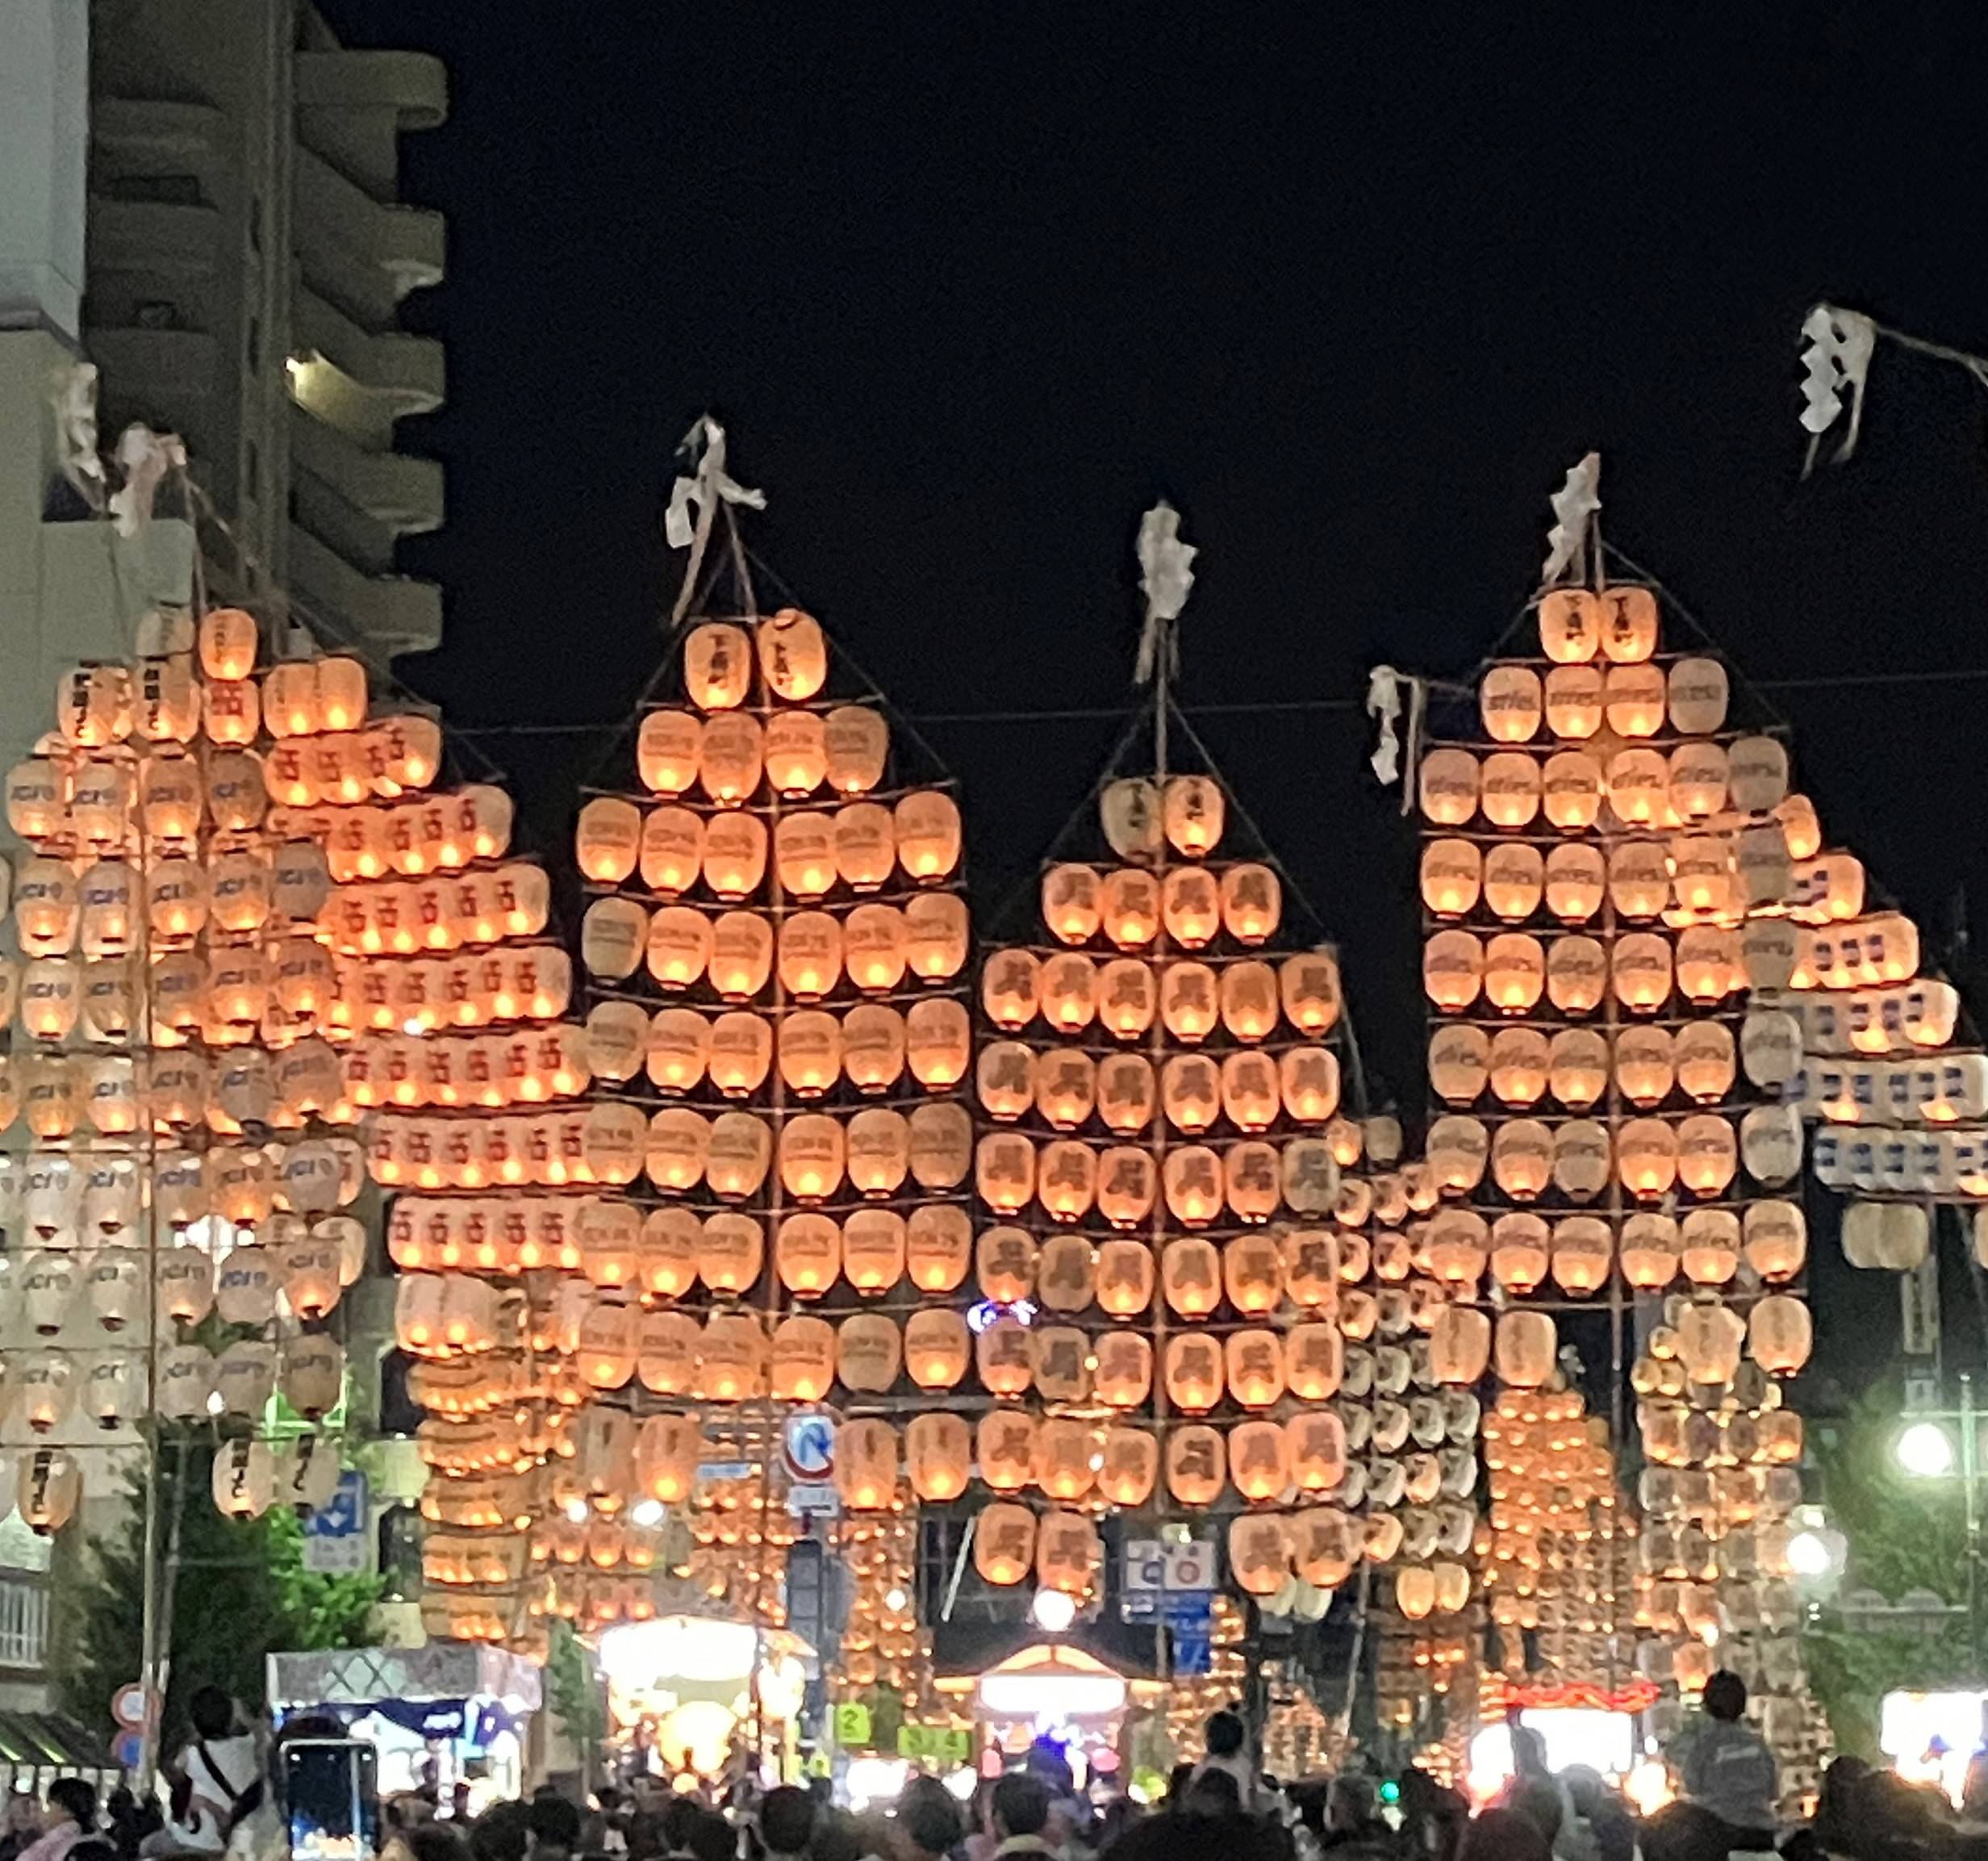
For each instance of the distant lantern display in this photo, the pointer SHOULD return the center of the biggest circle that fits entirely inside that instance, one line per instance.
(270, 946)
(802, 1034)
(1622, 981)
(1179, 1199)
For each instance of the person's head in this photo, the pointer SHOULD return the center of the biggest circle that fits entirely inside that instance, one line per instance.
(22, 1814)
(1725, 1695)
(1046, 1760)
(711, 1838)
(1349, 1802)
(432, 1841)
(555, 1825)
(1538, 1800)
(71, 1800)
(211, 1712)
(835, 1838)
(1684, 1832)
(1225, 1734)
(786, 1819)
(1504, 1835)
(1214, 1793)
(679, 1814)
(1020, 1805)
(500, 1832)
(609, 1799)
(1178, 1779)
(929, 1818)
(95, 1848)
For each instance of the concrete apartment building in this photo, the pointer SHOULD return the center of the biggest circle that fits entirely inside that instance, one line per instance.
(202, 198)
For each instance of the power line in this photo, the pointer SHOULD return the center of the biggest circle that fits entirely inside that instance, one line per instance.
(1266, 707)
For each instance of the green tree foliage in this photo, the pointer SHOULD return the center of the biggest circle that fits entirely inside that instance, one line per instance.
(573, 1690)
(1903, 1534)
(241, 1591)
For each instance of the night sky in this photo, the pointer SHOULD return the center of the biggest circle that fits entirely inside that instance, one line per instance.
(1354, 287)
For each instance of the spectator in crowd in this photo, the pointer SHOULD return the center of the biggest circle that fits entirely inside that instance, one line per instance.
(20, 1825)
(70, 1817)
(553, 1825)
(1019, 1811)
(1684, 1832)
(786, 1819)
(1226, 1737)
(1506, 1835)
(928, 1821)
(1727, 1768)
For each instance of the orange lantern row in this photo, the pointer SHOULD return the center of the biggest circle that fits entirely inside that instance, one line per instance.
(876, 1152)
(1189, 997)
(1523, 1065)
(875, 1046)
(1131, 906)
(489, 1071)
(67, 1198)
(530, 982)
(674, 850)
(1574, 699)
(875, 947)
(1250, 1181)
(1255, 1272)
(1067, 1088)
(415, 916)
(1514, 972)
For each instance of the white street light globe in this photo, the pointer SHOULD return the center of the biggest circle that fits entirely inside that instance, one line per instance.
(646, 1513)
(1926, 1450)
(1808, 1555)
(1053, 1611)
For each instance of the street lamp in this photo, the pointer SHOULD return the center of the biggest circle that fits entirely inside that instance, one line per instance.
(1925, 1450)
(1054, 1610)
(1808, 1556)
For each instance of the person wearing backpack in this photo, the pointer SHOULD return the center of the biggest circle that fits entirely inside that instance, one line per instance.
(217, 1779)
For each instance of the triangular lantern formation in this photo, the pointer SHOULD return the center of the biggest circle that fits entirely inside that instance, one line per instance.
(239, 878)
(1616, 884)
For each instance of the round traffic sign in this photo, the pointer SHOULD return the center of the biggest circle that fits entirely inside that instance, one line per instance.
(128, 1706)
(807, 1446)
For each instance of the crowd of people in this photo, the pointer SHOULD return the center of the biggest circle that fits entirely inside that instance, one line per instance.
(223, 1797)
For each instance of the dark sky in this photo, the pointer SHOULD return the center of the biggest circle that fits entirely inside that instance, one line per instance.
(1353, 285)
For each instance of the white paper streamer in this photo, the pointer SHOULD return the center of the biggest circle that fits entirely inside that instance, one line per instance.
(75, 398)
(1384, 705)
(707, 486)
(1166, 576)
(1836, 362)
(143, 457)
(1574, 506)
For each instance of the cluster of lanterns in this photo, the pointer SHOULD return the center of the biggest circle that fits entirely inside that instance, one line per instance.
(1625, 903)
(1558, 1547)
(1201, 1288)
(230, 865)
(742, 1179)
(882, 1643)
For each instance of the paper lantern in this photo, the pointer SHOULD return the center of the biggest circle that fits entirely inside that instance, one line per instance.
(731, 1362)
(1756, 776)
(1571, 787)
(1063, 1454)
(1193, 1370)
(1458, 1150)
(1452, 969)
(735, 856)
(1520, 1062)
(1459, 1346)
(1770, 1143)
(1709, 1340)
(796, 752)
(669, 1346)
(1583, 1251)
(1638, 878)
(939, 1451)
(1514, 972)
(1509, 787)
(1452, 874)
(802, 1366)
(1447, 787)
(312, 1377)
(43, 1392)
(48, 1488)
(1633, 700)
(1525, 1345)
(1259, 1554)
(1004, 1545)
(938, 1349)
(935, 935)
(1308, 986)
(1070, 903)
(1709, 1246)
(1191, 906)
(1196, 1465)
(1460, 1062)
(1521, 1158)
(938, 1240)
(1570, 624)
(1003, 1357)
(1775, 1239)
(1124, 1376)
(1697, 780)
(1703, 1053)
(1707, 1154)
(1252, 902)
(607, 839)
(808, 1254)
(1129, 907)
(1193, 813)
(93, 705)
(1259, 1461)
(1458, 1242)
(1709, 966)
(1066, 1272)
(730, 1251)
(1644, 1064)
(1514, 877)
(1640, 971)
(1520, 1252)
(869, 1352)
(926, 824)
(1651, 1250)
(1131, 1469)
(1510, 701)
(1194, 1183)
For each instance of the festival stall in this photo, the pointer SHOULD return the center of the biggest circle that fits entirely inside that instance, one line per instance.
(685, 1691)
(449, 1713)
